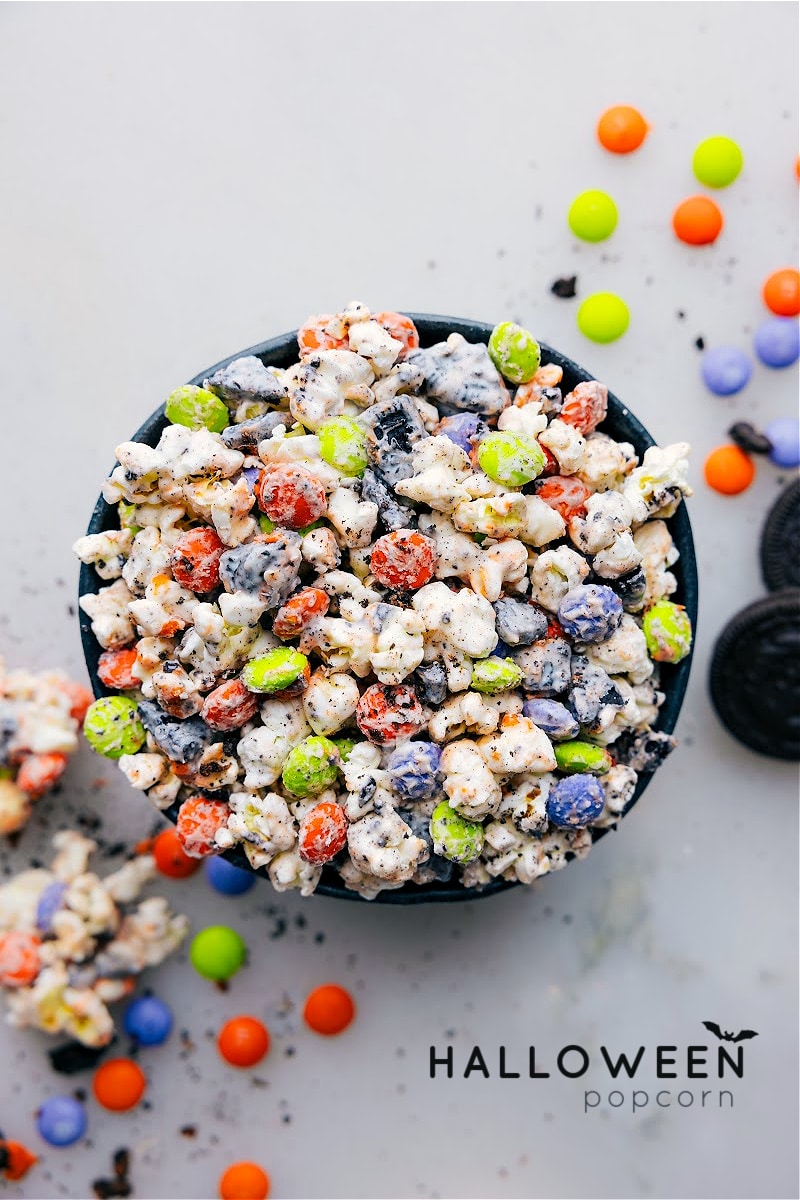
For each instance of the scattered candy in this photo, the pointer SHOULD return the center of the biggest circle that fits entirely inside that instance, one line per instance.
(112, 727)
(244, 1181)
(621, 129)
(725, 370)
(15, 1159)
(784, 434)
(454, 837)
(323, 832)
(329, 1009)
(311, 766)
(782, 292)
(61, 1120)
(728, 470)
(170, 857)
(512, 459)
(243, 1041)
(226, 878)
(603, 317)
(592, 216)
(217, 952)
(514, 351)
(575, 801)
(148, 1020)
(119, 1084)
(717, 162)
(577, 758)
(697, 221)
(777, 342)
(668, 631)
(197, 409)
(748, 438)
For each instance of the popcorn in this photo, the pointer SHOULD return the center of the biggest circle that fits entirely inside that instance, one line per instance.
(445, 567)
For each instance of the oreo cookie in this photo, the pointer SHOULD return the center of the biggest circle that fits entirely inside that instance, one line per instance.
(780, 541)
(755, 675)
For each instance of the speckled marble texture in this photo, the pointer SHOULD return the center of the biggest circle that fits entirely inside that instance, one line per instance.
(184, 180)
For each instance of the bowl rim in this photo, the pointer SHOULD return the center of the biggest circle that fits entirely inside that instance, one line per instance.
(282, 350)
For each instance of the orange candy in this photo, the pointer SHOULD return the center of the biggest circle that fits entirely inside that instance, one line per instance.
(782, 292)
(621, 129)
(19, 958)
(400, 327)
(323, 832)
(115, 668)
(199, 818)
(39, 773)
(313, 335)
(80, 698)
(243, 1041)
(697, 221)
(300, 609)
(170, 857)
(18, 1159)
(329, 1009)
(244, 1181)
(119, 1084)
(728, 470)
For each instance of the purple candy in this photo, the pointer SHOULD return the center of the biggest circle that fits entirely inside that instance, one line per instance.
(575, 801)
(777, 342)
(460, 428)
(725, 370)
(251, 474)
(553, 718)
(49, 904)
(413, 770)
(784, 433)
(590, 612)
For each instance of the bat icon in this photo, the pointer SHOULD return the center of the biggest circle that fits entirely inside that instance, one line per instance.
(741, 1036)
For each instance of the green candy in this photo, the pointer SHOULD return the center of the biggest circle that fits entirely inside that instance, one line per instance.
(311, 767)
(717, 161)
(592, 216)
(512, 459)
(217, 952)
(275, 670)
(196, 408)
(492, 675)
(514, 352)
(455, 837)
(667, 631)
(345, 747)
(112, 727)
(342, 445)
(265, 524)
(603, 317)
(125, 512)
(578, 758)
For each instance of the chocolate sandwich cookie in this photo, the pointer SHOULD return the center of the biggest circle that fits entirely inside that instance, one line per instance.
(755, 675)
(780, 541)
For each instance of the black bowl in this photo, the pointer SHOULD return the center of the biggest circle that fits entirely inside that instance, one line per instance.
(620, 424)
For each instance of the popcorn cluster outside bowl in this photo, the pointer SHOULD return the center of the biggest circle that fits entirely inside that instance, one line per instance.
(619, 424)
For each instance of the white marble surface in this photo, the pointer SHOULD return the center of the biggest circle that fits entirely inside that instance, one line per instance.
(182, 180)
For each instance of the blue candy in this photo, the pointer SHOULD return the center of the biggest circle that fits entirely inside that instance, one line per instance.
(575, 801)
(61, 1120)
(228, 879)
(777, 342)
(148, 1020)
(49, 904)
(590, 612)
(784, 433)
(553, 718)
(725, 370)
(460, 428)
(413, 769)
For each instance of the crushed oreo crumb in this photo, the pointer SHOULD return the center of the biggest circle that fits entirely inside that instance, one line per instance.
(565, 287)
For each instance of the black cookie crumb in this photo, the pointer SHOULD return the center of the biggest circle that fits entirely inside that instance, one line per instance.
(565, 287)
